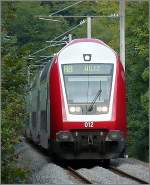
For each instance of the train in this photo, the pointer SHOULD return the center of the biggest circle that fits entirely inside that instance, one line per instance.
(76, 104)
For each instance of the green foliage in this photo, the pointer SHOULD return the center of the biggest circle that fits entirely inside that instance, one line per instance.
(18, 175)
(12, 124)
(137, 78)
(13, 91)
(13, 115)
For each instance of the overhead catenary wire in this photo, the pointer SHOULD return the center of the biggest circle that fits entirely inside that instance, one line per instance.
(65, 8)
(83, 16)
(112, 15)
(60, 41)
(43, 59)
(72, 28)
(42, 56)
(38, 65)
(37, 61)
(47, 19)
(45, 48)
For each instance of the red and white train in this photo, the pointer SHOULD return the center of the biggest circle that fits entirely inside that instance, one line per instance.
(77, 103)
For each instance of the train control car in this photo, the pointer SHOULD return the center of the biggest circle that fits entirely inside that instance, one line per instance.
(77, 103)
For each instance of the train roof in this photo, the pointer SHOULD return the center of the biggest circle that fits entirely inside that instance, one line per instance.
(92, 40)
(77, 47)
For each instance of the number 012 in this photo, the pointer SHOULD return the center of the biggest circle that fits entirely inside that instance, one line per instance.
(88, 124)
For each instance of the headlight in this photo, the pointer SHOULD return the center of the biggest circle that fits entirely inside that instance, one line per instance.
(64, 136)
(114, 135)
(78, 109)
(74, 109)
(99, 109)
(102, 109)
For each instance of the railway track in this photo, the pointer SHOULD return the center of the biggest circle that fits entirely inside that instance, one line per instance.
(78, 175)
(125, 174)
(112, 169)
(85, 180)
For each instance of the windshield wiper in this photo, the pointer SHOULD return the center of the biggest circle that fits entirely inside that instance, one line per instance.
(94, 100)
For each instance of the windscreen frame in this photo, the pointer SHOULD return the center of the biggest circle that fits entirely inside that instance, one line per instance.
(111, 73)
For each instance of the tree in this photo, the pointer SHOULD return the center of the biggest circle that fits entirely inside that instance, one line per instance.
(137, 77)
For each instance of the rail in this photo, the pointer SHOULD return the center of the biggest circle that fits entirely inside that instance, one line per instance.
(78, 175)
(125, 174)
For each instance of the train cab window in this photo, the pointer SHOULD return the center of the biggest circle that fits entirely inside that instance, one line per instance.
(44, 72)
(88, 87)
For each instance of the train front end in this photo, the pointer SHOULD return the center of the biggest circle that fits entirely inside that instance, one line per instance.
(88, 114)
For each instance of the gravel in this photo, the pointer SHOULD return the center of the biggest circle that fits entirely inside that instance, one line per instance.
(52, 174)
(31, 159)
(44, 171)
(135, 167)
(103, 176)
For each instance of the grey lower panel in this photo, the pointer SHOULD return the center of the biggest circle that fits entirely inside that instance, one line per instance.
(101, 150)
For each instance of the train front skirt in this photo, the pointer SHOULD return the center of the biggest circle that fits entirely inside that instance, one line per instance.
(88, 145)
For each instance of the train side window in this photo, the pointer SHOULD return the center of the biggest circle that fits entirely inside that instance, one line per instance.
(44, 120)
(27, 121)
(33, 119)
(33, 84)
(45, 71)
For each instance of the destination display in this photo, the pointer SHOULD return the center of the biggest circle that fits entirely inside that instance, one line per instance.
(73, 69)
